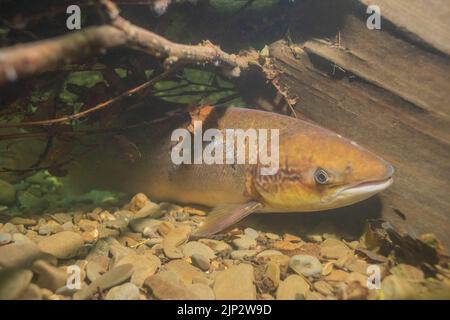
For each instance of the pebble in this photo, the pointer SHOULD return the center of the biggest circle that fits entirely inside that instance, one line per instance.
(137, 202)
(243, 254)
(15, 255)
(267, 253)
(244, 242)
(113, 277)
(9, 228)
(140, 224)
(309, 266)
(144, 266)
(50, 227)
(94, 270)
(195, 247)
(251, 233)
(5, 238)
(50, 277)
(126, 291)
(200, 261)
(167, 285)
(33, 292)
(293, 287)
(23, 221)
(217, 245)
(173, 239)
(14, 282)
(235, 283)
(63, 245)
(333, 249)
(7, 193)
(272, 236)
(271, 276)
(323, 287)
(184, 270)
(202, 291)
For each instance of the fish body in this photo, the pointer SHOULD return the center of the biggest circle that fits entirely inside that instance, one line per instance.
(317, 168)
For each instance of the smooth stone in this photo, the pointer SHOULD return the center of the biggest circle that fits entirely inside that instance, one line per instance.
(167, 285)
(203, 291)
(333, 249)
(173, 239)
(137, 202)
(14, 283)
(243, 254)
(20, 238)
(7, 193)
(293, 287)
(112, 278)
(217, 245)
(144, 266)
(126, 291)
(23, 221)
(101, 248)
(9, 228)
(49, 228)
(272, 275)
(235, 283)
(63, 245)
(151, 210)
(244, 242)
(140, 224)
(200, 261)
(194, 247)
(251, 233)
(50, 277)
(15, 255)
(94, 270)
(184, 270)
(306, 265)
(324, 288)
(5, 238)
(33, 292)
(268, 253)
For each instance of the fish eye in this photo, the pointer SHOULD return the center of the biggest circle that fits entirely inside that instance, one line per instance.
(321, 176)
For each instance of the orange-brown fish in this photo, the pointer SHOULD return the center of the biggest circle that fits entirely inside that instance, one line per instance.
(318, 169)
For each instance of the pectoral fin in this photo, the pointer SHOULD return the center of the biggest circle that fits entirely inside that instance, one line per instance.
(224, 216)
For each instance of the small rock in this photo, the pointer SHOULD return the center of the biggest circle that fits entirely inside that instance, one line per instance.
(112, 278)
(33, 292)
(194, 247)
(140, 224)
(50, 277)
(17, 255)
(5, 238)
(286, 246)
(267, 253)
(333, 249)
(68, 226)
(127, 291)
(235, 283)
(337, 276)
(137, 202)
(23, 221)
(165, 227)
(323, 287)
(144, 266)
(63, 245)
(184, 270)
(173, 239)
(271, 276)
(87, 225)
(251, 233)
(14, 283)
(94, 270)
(243, 254)
(293, 287)
(272, 236)
(244, 242)
(291, 238)
(168, 286)
(202, 291)
(308, 266)
(7, 193)
(200, 261)
(217, 245)
(9, 228)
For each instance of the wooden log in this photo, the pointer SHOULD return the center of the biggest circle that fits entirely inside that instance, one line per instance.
(391, 96)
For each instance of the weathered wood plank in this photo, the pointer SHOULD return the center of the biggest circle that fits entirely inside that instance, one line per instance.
(425, 20)
(391, 106)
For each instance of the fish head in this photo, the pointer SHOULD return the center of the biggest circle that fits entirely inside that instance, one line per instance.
(321, 170)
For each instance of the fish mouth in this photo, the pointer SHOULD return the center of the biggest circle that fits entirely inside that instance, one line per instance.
(359, 192)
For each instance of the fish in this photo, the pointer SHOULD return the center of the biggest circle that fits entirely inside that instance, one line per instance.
(318, 169)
